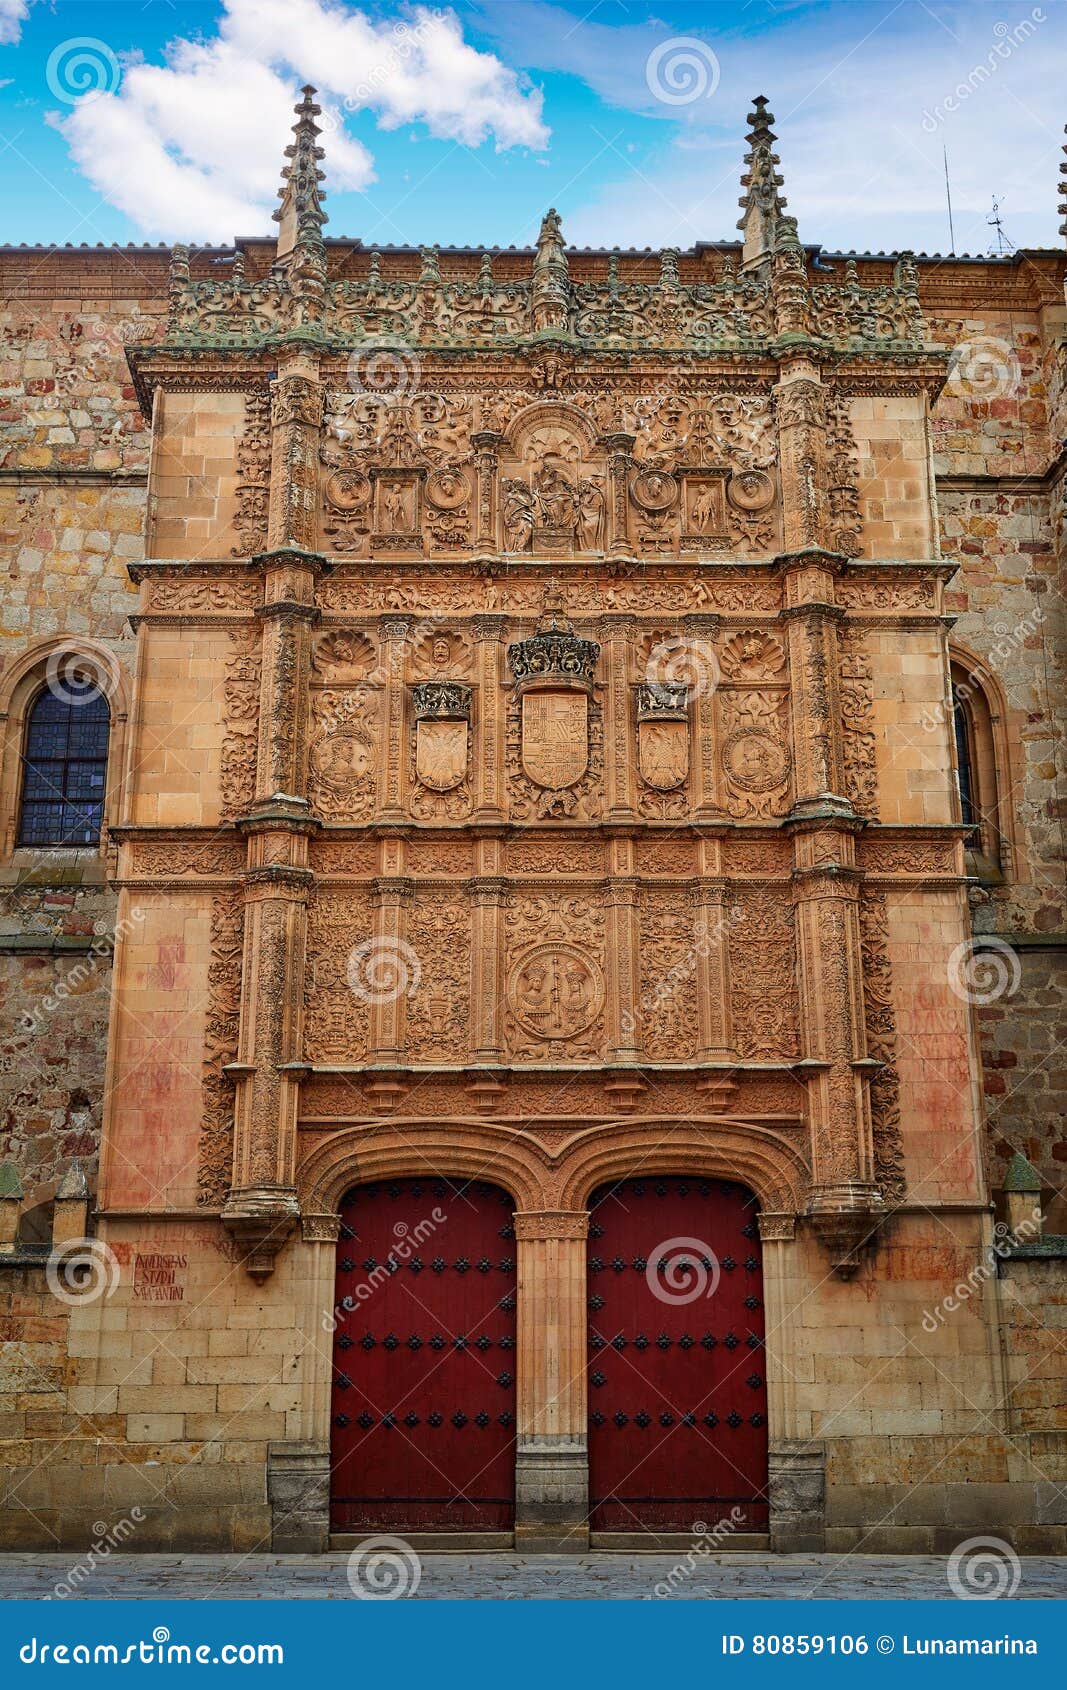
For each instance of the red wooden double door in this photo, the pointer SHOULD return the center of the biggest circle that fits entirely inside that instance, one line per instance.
(424, 1405)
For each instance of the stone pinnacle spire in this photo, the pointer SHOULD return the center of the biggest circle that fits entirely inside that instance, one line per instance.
(551, 287)
(764, 224)
(1063, 188)
(300, 215)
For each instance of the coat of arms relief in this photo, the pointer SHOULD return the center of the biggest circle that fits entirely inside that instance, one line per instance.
(553, 672)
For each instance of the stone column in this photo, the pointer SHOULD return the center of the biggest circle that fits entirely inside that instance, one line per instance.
(486, 446)
(703, 631)
(552, 1460)
(619, 447)
(395, 636)
(615, 634)
(812, 619)
(488, 633)
(845, 1206)
(296, 420)
(298, 1466)
(712, 944)
(387, 1018)
(797, 1465)
(261, 1208)
(624, 1013)
(487, 984)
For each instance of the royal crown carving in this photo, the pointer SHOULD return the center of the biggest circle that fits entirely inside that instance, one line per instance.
(555, 654)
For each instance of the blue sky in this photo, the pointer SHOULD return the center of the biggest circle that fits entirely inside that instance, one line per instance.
(460, 123)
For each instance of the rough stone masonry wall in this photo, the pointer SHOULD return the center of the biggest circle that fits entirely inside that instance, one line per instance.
(1006, 418)
(73, 457)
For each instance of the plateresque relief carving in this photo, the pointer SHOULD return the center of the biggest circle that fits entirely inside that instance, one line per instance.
(554, 991)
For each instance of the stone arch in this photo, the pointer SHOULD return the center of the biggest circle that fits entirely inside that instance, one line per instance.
(721, 1148)
(995, 748)
(558, 414)
(20, 686)
(456, 1148)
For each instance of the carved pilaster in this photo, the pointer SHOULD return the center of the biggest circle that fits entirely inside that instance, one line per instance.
(703, 630)
(624, 980)
(486, 446)
(812, 620)
(487, 984)
(488, 633)
(801, 446)
(845, 1204)
(395, 641)
(552, 1456)
(616, 634)
(261, 1209)
(289, 616)
(390, 977)
(620, 448)
(712, 946)
(296, 422)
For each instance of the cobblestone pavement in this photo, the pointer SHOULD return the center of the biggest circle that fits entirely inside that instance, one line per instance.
(506, 1576)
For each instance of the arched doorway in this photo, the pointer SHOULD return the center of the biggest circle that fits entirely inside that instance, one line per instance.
(677, 1382)
(423, 1401)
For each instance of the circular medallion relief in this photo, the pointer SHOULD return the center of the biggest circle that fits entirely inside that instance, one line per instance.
(654, 490)
(751, 490)
(554, 991)
(448, 489)
(348, 490)
(343, 757)
(754, 760)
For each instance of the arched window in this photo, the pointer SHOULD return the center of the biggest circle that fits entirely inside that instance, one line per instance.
(978, 720)
(64, 764)
(964, 755)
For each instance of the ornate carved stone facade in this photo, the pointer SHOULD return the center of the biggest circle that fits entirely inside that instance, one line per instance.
(521, 788)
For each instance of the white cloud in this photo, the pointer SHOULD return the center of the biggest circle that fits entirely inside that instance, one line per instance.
(12, 13)
(192, 149)
(863, 97)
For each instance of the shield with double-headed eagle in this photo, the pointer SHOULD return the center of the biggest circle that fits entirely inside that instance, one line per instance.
(441, 753)
(555, 737)
(663, 753)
